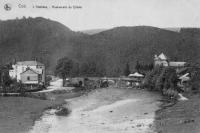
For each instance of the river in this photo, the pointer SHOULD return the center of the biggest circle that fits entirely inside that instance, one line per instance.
(109, 110)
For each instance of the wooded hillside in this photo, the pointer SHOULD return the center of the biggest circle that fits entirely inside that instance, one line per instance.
(107, 52)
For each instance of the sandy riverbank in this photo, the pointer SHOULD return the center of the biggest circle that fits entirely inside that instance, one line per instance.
(182, 117)
(106, 110)
(18, 114)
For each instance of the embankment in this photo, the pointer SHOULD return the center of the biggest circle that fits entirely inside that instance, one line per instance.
(18, 114)
(182, 117)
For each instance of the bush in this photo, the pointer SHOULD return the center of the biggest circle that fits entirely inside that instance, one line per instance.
(47, 80)
(62, 111)
(195, 79)
(162, 79)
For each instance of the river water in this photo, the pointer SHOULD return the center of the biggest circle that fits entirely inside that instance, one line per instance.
(109, 110)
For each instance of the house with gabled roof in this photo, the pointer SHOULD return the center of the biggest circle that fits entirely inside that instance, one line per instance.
(163, 60)
(33, 71)
(30, 76)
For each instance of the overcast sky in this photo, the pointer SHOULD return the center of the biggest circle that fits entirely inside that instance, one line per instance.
(96, 14)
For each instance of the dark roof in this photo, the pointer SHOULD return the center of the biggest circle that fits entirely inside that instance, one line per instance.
(29, 69)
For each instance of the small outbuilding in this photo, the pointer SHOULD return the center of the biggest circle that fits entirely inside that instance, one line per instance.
(136, 75)
(31, 77)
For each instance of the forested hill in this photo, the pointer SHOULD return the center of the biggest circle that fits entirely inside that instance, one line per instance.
(120, 45)
(106, 52)
(40, 38)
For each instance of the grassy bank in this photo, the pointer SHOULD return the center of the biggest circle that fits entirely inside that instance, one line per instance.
(182, 117)
(18, 114)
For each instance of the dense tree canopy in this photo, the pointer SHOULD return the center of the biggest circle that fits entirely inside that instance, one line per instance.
(127, 70)
(63, 68)
(163, 79)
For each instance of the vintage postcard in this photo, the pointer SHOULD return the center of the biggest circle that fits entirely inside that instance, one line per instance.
(99, 66)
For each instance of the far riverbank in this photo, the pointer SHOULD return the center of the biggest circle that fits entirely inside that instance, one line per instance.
(180, 116)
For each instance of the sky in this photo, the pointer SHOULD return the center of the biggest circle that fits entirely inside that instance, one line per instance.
(98, 14)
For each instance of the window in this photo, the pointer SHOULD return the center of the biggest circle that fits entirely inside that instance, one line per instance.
(39, 77)
(28, 78)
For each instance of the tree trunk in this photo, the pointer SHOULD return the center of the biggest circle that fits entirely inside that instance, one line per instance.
(64, 79)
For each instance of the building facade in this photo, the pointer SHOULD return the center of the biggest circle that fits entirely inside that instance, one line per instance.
(162, 60)
(29, 70)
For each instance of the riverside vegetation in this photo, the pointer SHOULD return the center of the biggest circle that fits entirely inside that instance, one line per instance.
(165, 80)
(182, 116)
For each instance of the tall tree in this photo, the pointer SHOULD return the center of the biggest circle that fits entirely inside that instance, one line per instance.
(127, 70)
(63, 68)
(4, 76)
(137, 66)
(75, 70)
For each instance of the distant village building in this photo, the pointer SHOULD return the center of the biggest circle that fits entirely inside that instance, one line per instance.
(162, 60)
(136, 75)
(28, 72)
(177, 64)
(134, 79)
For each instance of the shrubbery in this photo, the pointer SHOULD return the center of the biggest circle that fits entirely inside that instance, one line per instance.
(63, 111)
(48, 80)
(195, 80)
(163, 79)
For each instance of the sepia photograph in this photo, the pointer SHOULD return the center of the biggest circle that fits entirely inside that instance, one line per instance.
(99, 66)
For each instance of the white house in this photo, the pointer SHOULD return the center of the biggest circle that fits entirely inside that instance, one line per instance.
(22, 66)
(162, 60)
